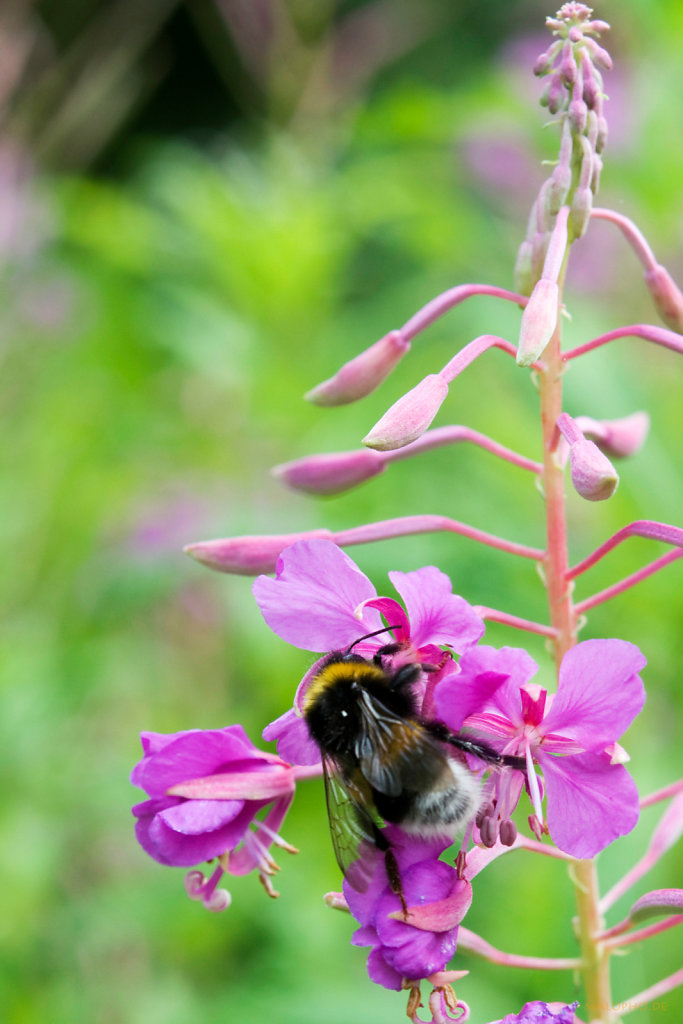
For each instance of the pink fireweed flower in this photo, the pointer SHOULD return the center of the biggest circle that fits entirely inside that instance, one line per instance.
(205, 788)
(320, 601)
(437, 901)
(570, 735)
(617, 438)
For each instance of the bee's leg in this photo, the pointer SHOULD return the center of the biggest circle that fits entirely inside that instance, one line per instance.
(476, 747)
(391, 867)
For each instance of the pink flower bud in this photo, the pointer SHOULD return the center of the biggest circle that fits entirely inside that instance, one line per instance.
(249, 555)
(361, 375)
(593, 475)
(617, 438)
(578, 115)
(558, 188)
(580, 211)
(409, 417)
(524, 280)
(666, 295)
(330, 474)
(538, 321)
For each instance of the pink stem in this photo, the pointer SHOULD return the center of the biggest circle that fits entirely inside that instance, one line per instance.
(407, 525)
(662, 794)
(453, 435)
(639, 528)
(658, 335)
(476, 348)
(447, 300)
(633, 235)
(475, 944)
(535, 847)
(628, 581)
(666, 833)
(644, 933)
(641, 999)
(493, 615)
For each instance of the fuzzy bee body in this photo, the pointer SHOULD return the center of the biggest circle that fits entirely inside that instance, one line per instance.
(382, 762)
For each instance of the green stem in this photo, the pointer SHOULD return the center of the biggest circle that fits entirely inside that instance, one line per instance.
(563, 617)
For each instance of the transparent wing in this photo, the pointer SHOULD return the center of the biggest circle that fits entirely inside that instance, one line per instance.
(354, 824)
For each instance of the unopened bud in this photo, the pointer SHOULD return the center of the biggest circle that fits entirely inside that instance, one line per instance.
(617, 438)
(248, 555)
(539, 320)
(666, 295)
(330, 474)
(410, 416)
(361, 375)
(578, 115)
(593, 475)
(580, 211)
(568, 68)
(524, 279)
(558, 188)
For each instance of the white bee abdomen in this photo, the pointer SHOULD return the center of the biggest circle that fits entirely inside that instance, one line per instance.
(445, 808)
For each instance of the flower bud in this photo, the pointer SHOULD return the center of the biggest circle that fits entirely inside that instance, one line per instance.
(523, 277)
(578, 115)
(538, 321)
(558, 188)
(580, 211)
(593, 475)
(361, 375)
(666, 295)
(617, 438)
(248, 555)
(409, 417)
(330, 474)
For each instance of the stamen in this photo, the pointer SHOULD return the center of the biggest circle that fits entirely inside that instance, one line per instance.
(534, 790)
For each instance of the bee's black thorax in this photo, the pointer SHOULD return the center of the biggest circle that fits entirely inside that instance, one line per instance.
(332, 705)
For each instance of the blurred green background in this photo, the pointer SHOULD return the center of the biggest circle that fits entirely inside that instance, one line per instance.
(205, 208)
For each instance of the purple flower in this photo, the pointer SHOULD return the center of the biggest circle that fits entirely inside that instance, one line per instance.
(437, 900)
(321, 601)
(205, 787)
(541, 1013)
(590, 799)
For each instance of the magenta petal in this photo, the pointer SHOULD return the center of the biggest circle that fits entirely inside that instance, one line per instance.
(599, 693)
(456, 698)
(437, 616)
(294, 743)
(505, 699)
(590, 802)
(192, 755)
(192, 817)
(311, 601)
(381, 973)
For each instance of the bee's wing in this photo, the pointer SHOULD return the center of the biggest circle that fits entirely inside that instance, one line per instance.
(353, 822)
(395, 754)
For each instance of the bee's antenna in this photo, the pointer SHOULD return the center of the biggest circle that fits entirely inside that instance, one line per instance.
(367, 636)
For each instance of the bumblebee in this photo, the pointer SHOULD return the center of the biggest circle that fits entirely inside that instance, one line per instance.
(383, 763)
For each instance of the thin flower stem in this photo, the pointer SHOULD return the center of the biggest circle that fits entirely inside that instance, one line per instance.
(633, 235)
(407, 525)
(523, 843)
(662, 794)
(475, 348)
(628, 581)
(658, 335)
(641, 999)
(667, 832)
(493, 615)
(451, 298)
(473, 943)
(639, 528)
(644, 933)
(455, 434)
